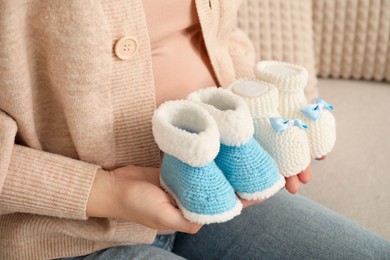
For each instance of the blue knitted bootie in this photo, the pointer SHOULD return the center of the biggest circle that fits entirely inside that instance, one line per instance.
(248, 167)
(189, 138)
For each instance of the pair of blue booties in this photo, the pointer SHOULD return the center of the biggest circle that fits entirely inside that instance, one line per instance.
(210, 155)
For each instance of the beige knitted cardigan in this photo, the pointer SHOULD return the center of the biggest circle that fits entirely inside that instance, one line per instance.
(69, 105)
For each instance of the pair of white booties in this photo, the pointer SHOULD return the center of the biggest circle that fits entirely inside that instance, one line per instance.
(286, 125)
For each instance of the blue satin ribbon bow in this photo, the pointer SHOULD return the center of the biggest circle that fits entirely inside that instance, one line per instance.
(280, 124)
(313, 111)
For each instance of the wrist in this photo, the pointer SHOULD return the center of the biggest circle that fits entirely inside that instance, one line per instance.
(100, 198)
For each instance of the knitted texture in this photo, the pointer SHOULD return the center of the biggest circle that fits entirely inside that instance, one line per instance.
(352, 38)
(290, 149)
(230, 113)
(333, 38)
(250, 170)
(66, 90)
(189, 137)
(186, 130)
(248, 167)
(289, 79)
(281, 30)
(202, 193)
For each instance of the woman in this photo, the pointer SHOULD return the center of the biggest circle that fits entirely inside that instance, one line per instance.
(79, 166)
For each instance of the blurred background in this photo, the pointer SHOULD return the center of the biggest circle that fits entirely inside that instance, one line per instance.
(345, 45)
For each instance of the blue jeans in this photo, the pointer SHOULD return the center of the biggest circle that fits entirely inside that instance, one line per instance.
(283, 227)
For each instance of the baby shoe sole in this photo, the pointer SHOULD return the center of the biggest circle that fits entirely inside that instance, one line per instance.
(265, 194)
(205, 219)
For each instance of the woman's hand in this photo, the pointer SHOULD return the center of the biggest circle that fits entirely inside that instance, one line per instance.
(247, 203)
(133, 193)
(293, 183)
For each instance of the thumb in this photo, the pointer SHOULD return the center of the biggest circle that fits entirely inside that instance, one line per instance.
(175, 220)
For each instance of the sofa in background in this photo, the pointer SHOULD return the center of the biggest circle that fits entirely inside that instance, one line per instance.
(346, 43)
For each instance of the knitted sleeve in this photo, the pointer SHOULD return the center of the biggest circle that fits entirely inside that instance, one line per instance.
(242, 53)
(241, 49)
(33, 181)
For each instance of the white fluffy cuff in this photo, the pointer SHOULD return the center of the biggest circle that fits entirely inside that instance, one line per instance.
(231, 113)
(285, 76)
(261, 103)
(186, 131)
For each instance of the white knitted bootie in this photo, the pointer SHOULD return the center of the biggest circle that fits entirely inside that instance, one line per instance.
(290, 80)
(285, 140)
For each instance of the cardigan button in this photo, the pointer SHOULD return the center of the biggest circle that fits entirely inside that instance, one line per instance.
(126, 47)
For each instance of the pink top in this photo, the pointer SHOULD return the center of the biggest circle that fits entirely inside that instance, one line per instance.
(179, 57)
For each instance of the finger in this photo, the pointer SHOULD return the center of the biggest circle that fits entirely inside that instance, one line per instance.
(174, 220)
(292, 184)
(306, 175)
(247, 203)
(321, 158)
(171, 200)
(152, 175)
